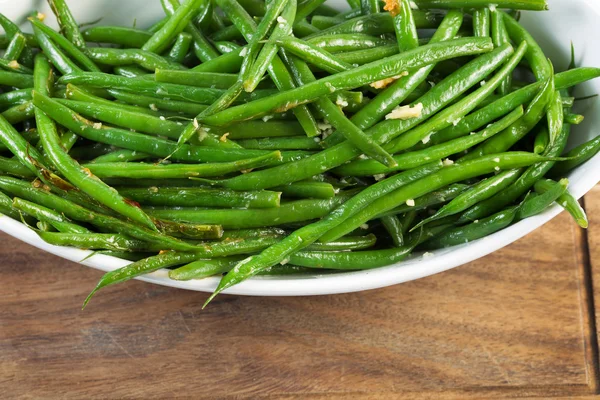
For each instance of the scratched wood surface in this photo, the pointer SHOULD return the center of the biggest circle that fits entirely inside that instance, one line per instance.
(518, 323)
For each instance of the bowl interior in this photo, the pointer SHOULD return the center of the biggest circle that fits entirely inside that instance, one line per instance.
(567, 20)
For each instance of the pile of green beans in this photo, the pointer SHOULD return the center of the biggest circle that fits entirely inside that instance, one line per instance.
(239, 138)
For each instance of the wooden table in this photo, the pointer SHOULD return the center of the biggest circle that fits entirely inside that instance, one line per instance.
(519, 323)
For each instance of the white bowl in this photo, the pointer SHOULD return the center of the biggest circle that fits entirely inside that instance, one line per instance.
(567, 20)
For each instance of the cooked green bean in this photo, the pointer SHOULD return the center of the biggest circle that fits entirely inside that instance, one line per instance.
(119, 35)
(57, 220)
(576, 157)
(308, 189)
(285, 143)
(566, 200)
(538, 204)
(15, 47)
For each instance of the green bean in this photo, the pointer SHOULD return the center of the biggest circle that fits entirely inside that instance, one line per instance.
(541, 141)
(202, 197)
(482, 23)
(450, 174)
(261, 129)
(419, 157)
(514, 133)
(154, 89)
(285, 143)
(405, 28)
(6, 208)
(536, 5)
(310, 233)
(122, 155)
(135, 141)
(157, 103)
(482, 191)
(19, 113)
(225, 47)
(307, 7)
(123, 36)
(71, 48)
(59, 60)
(555, 117)
(341, 42)
(294, 211)
(474, 231)
(256, 8)
(13, 167)
(357, 77)
(123, 57)
(115, 115)
(98, 241)
(226, 63)
(15, 47)
(174, 171)
(302, 29)
(14, 98)
(41, 213)
(216, 80)
(180, 48)
(429, 200)
(457, 111)
(230, 32)
(73, 92)
(535, 56)
(202, 47)
(321, 22)
(12, 30)
(538, 204)
(500, 36)
(76, 212)
(75, 173)
(576, 157)
(380, 23)
(520, 187)
(16, 79)
(313, 55)
(393, 226)
(573, 119)
(365, 56)
(308, 189)
(336, 117)
(566, 200)
(204, 268)
(67, 23)
(14, 66)
(175, 24)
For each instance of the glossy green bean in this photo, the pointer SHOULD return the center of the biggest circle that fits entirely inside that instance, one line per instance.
(119, 35)
(215, 80)
(535, 56)
(41, 213)
(433, 199)
(180, 48)
(308, 189)
(14, 66)
(175, 171)
(15, 47)
(123, 57)
(541, 141)
(306, 7)
(341, 42)
(21, 81)
(154, 89)
(500, 36)
(202, 197)
(405, 28)
(6, 208)
(393, 226)
(14, 98)
(68, 25)
(474, 231)
(576, 157)
(11, 30)
(12, 166)
(573, 119)
(313, 55)
(156, 103)
(380, 23)
(276, 143)
(175, 24)
(566, 200)
(122, 155)
(19, 113)
(482, 22)
(59, 60)
(70, 48)
(538, 204)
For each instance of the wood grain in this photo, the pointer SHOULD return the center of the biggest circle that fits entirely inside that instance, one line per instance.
(514, 324)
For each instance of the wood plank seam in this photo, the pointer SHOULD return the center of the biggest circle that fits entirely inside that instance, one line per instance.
(587, 307)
